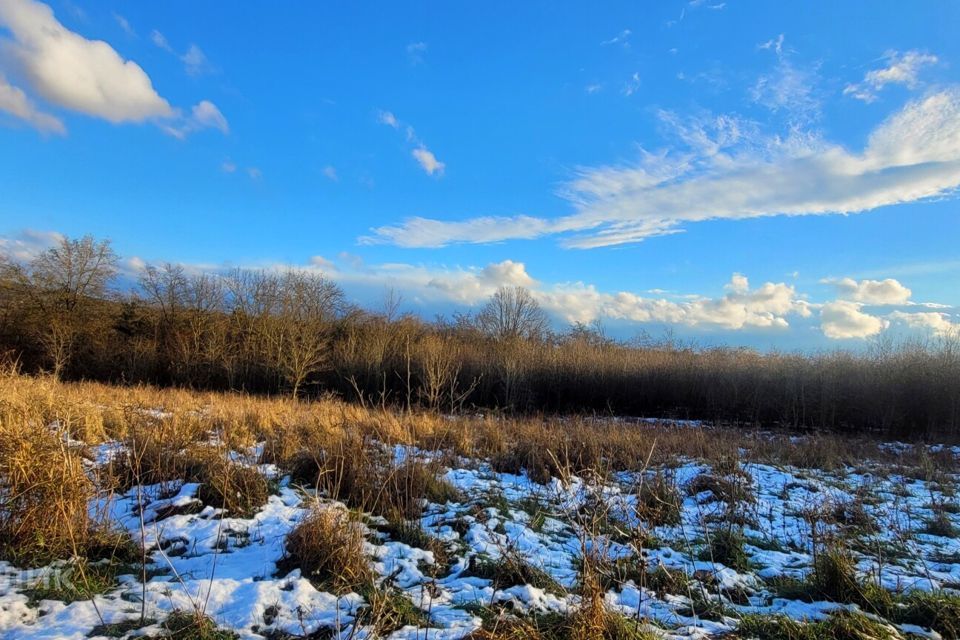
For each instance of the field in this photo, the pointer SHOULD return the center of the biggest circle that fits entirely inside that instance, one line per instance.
(129, 511)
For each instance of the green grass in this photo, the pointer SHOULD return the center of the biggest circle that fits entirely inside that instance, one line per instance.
(726, 548)
(80, 580)
(388, 610)
(510, 570)
(843, 625)
(119, 629)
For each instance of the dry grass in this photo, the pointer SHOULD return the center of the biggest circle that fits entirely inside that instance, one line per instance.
(45, 493)
(328, 548)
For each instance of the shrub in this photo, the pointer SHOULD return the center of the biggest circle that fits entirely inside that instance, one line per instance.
(238, 489)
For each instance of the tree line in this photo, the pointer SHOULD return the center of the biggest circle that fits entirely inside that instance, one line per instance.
(294, 332)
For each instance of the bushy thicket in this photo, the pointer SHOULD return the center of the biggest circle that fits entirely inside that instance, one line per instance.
(293, 333)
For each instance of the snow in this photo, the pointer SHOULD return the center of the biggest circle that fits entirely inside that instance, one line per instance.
(201, 558)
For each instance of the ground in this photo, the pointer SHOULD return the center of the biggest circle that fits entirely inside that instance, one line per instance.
(687, 548)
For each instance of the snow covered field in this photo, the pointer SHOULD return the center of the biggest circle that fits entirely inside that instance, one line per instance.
(744, 541)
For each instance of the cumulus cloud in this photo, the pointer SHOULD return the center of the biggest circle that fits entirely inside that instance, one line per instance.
(767, 306)
(330, 173)
(774, 306)
(903, 69)
(875, 292)
(934, 322)
(740, 307)
(27, 244)
(726, 169)
(15, 102)
(843, 320)
(73, 72)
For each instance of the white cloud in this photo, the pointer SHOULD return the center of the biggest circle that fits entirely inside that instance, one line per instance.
(321, 262)
(739, 308)
(195, 61)
(425, 158)
(254, 173)
(415, 51)
(788, 88)
(774, 44)
(125, 25)
(769, 306)
(204, 115)
(875, 292)
(622, 38)
(727, 170)
(632, 85)
(903, 69)
(330, 172)
(772, 306)
(428, 161)
(427, 233)
(161, 41)
(228, 166)
(15, 102)
(387, 118)
(68, 70)
(27, 244)
(935, 322)
(843, 319)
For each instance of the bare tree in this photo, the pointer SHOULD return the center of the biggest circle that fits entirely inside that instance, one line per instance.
(74, 270)
(63, 281)
(301, 329)
(513, 312)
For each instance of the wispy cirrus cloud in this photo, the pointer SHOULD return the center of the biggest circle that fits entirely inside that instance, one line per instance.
(427, 160)
(415, 52)
(725, 169)
(195, 61)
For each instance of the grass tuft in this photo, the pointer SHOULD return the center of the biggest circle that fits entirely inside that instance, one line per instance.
(328, 548)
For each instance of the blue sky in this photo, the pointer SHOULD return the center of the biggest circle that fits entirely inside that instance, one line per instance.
(780, 175)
